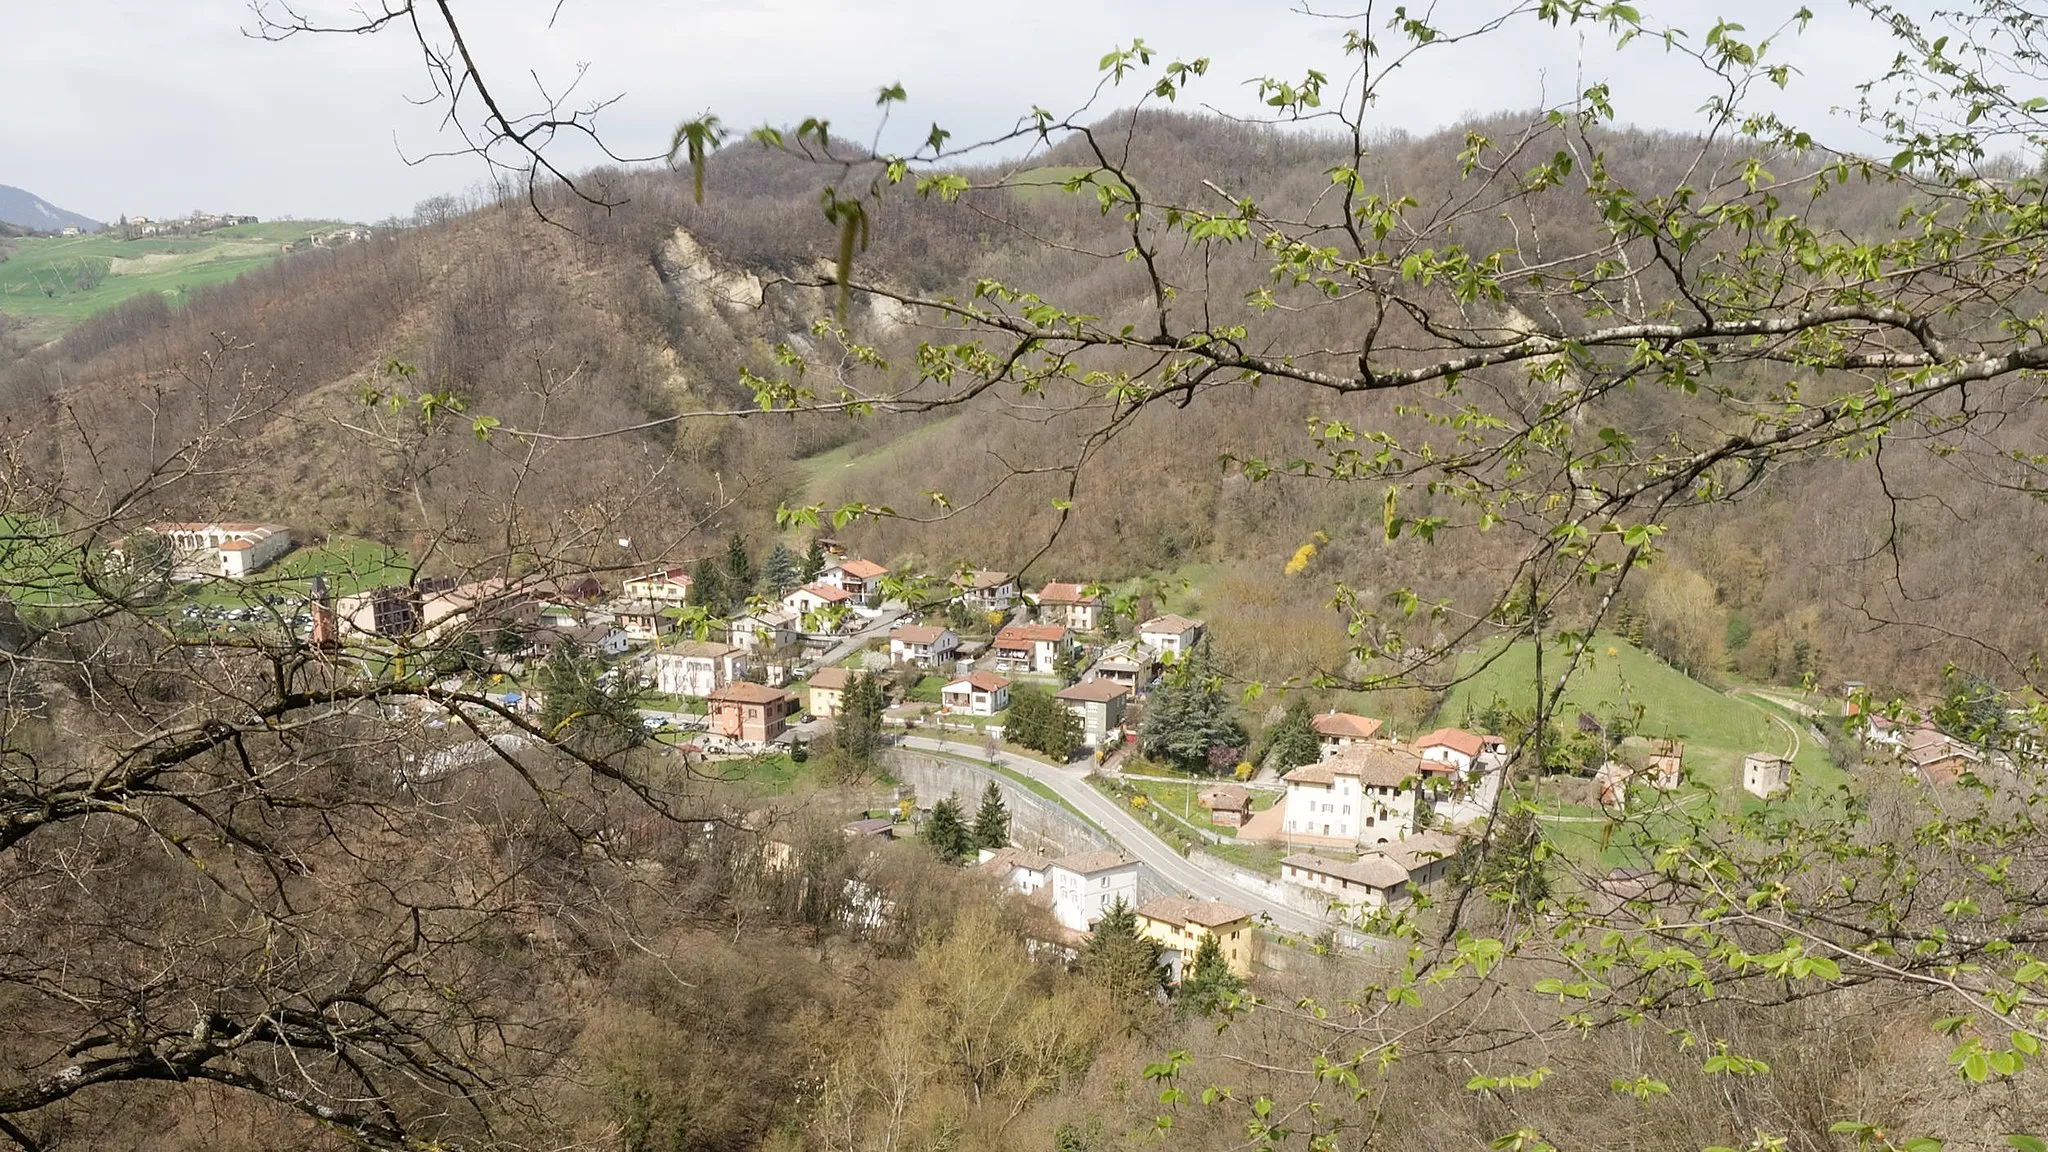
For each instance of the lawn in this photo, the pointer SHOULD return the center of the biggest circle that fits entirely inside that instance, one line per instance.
(54, 283)
(927, 689)
(1614, 677)
(38, 565)
(1184, 800)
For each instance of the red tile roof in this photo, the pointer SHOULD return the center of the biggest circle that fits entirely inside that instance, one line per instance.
(831, 679)
(864, 569)
(917, 634)
(1019, 635)
(1456, 739)
(1181, 910)
(982, 579)
(1345, 724)
(826, 592)
(748, 692)
(1090, 863)
(981, 682)
(1175, 625)
(1065, 594)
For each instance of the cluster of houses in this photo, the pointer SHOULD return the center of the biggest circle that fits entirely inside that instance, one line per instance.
(229, 549)
(1082, 887)
(137, 227)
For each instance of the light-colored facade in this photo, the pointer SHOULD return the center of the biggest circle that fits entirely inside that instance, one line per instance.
(697, 668)
(1453, 746)
(1363, 794)
(1765, 775)
(671, 587)
(1340, 730)
(985, 591)
(230, 549)
(1171, 635)
(1022, 871)
(1071, 606)
(1127, 662)
(1180, 925)
(1100, 705)
(643, 620)
(827, 690)
(1030, 647)
(808, 601)
(763, 631)
(1087, 884)
(859, 579)
(977, 694)
(927, 646)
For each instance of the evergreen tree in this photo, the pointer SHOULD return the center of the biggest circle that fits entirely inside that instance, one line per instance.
(739, 570)
(1206, 982)
(579, 707)
(1067, 665)
(857, 731)
(1293, 742)
(707, 584)
(1189, 716)
(1039, 722)
(1123, 962)
(946, 830)
(779, 572)
(992, 822)
(814, 562)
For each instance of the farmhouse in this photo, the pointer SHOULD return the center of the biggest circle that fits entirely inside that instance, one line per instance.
(1023, 871)
(977, 694)
(1229, 805)
(1071, 605)
(1365, 794)
(1180, 925)
(1030, 647)
(1371, 881)
(926, 646)
(1339, 730)
(1453, 746)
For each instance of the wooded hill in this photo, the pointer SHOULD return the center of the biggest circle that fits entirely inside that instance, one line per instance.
(607, 318)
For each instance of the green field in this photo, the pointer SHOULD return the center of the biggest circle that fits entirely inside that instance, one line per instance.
(1718, 729)
(54, 283)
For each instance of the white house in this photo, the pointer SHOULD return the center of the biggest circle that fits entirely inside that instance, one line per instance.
(1030, 647)
(1453, 746)
(977, 694)
(1170, 635)
(233, 549)
(642, 619)
(1371, 881)
(1022, 871)
(859, 579)
(922, 645)
(985, 591)
(1362, 794)
(1339, 730)
(697, 667)
(762, 631)
(1765, 775)
(808, 600)
(671, 586)
(1070, 605)
(1087, 884)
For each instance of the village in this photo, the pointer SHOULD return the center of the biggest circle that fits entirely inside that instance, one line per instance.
(1033, 696)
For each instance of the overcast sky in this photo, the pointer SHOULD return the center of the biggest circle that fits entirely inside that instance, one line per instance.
(158, 107)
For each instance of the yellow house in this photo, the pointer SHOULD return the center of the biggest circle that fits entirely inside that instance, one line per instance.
(1179, 924)
(828, 691)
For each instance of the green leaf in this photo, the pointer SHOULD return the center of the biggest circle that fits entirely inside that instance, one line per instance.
(2020, 1142)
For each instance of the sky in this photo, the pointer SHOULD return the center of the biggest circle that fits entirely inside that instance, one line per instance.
(159, 108)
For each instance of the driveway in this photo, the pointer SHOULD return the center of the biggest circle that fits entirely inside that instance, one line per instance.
(880, 626)
(1071, 785)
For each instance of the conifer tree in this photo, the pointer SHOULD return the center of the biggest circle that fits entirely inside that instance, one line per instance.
(814, 561)
(739, 570)
(946, 830)
(708, 586)
(992, 822)
(779, 572)
(1207, 983)
(1189, 716)
(1121, 960)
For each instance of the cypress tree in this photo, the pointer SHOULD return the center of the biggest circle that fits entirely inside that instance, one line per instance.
(946, 830)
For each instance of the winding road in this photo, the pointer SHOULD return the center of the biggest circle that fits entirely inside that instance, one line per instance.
(1071, 785)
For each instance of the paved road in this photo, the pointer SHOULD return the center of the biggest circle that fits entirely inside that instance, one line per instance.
(880, 626)
(1071, 785)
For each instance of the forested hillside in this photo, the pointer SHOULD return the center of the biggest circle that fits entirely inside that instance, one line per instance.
(609, 318)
